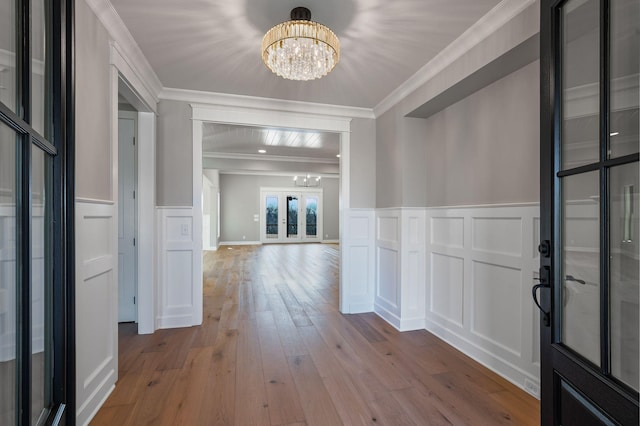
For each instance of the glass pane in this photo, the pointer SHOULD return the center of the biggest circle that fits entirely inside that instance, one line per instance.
(312, 217)
(38, 66)
(292, 217)
(8, 269)
(272, 217)
(7, 54)
(624, 280)
(625, 77)
(580, 82)
(580, 264)
(40, 284)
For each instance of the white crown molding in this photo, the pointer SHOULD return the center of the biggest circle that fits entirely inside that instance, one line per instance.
(269, 104)
(126, 45)
(502, 13)
(259, 157)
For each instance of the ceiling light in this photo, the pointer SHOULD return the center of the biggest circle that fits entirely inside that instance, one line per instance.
(614, 134)
(300, 49)
(262, 151)
(338, 155)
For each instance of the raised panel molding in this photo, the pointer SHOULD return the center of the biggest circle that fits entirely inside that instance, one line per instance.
(359, 250)
(180, 291)
(479, 292)
(96, 310)
(400, 267)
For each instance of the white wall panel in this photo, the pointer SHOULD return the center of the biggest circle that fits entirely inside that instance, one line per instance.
(496, 307)
(358, 246)
(96, 307)
(447, 287)
(180, 292)
(388, 276)
(447, 231)
(497, 235)
(479, 285)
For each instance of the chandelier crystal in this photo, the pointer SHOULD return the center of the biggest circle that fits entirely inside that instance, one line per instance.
(300, 49)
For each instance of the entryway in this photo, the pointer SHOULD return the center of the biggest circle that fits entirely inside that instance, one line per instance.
(288, 216)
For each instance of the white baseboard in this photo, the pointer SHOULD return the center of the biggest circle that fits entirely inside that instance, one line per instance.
(240, 243)
(330, 241)
(174, 321)
(360, 308)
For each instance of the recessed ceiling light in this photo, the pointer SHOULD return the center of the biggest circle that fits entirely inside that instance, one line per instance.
(338, 155)
(614, 134)
(262, 151)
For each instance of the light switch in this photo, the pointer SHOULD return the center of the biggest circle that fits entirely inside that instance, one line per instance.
(256, 218)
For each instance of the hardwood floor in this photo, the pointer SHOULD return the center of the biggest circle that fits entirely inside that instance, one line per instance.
(274, 350)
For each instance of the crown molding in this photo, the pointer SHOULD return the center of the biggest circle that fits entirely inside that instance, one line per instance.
(502, 13)
(264, 157)
(126, 45)
(269, 104)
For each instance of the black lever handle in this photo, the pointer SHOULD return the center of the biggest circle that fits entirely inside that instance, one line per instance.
(572, 278)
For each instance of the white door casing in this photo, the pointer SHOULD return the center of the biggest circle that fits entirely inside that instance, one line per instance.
(127, 253)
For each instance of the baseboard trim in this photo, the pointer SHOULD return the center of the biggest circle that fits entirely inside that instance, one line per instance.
(388, 316)
(93, 397)
(360, 308)
(330, 241)
(240, 243)
(494, 363)
(175, 321)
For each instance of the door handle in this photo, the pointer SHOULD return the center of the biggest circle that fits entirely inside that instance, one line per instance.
(572, 278)
(544, 283)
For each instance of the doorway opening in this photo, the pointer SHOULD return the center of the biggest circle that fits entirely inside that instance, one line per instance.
(291, 216)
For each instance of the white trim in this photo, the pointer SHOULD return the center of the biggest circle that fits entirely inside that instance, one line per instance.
(269, 173)
(239, 243)
(197, 280)
(132, 79)
(127, 46)
(489, 23)
(330, 241)
(267, 117)
(94, 201)
(260, 157)
(266, 104)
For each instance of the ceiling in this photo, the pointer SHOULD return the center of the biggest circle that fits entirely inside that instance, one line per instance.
(247, 140)
(214, 45)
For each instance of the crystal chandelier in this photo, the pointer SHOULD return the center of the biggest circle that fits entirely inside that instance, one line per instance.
(300, 49)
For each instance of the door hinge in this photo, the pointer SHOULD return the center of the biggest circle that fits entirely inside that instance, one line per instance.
(134, 300)
(134, 195)
(134, 140)
(134, 241)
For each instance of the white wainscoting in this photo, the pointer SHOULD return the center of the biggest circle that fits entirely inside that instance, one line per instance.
(481, 264)
(400, 267)
(180, 272)
(359, 261)
(96, 306)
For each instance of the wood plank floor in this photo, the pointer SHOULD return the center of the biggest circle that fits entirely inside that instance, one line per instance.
(274, 350)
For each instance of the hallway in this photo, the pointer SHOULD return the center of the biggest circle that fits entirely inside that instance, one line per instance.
(274, 350)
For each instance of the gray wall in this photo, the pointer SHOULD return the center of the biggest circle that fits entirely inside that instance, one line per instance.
(174, 155)
(93, 107)
(240, 200)
(480, 150)
(363, 163)
(485, 148)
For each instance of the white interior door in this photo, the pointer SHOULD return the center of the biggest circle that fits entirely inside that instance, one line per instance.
(291, 216)
(127, 286)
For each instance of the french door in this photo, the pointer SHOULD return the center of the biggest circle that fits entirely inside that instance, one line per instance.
(290, 216)
(36, 213)
(590, 205)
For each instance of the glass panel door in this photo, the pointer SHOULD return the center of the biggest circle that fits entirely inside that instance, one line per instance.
(271, 214)
(311, 217)
(292, 208)
(589, 263)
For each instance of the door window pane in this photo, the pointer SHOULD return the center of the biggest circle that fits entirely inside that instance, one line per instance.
(39, 96)
(311, 214)
(272, 216)
(292, 216)
(580, 274)
(625, 77)
(8, 54)
(580, 82)
(40, 286)
(623, 272)
(8, 268)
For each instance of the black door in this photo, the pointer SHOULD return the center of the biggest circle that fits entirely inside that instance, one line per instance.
(590, 199)
(36, 213)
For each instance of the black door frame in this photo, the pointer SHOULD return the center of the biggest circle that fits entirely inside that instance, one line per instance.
(60, 146)
(603, 390)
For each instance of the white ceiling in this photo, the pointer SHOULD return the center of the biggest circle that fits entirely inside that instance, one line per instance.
(214, 45)
(247, 140)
